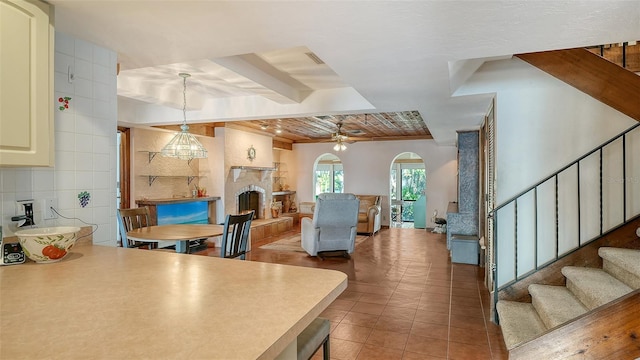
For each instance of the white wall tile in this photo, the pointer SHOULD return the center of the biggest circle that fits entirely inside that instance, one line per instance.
(84, 50)
(83, 144)
(101, 109)
(23, 180)
(65, 180)
(103, 127)
(65, 141)
(8, 180)
(83, 87)
(84, 126)
(84, 181)
(67, 199)
(65, 161)
(102, 74)
(84, 69)
(64, 121)
(43, 180)
(62, 85)
(62, 62)
(101, 162)
(64, 44)
(104, 180)
(101, 56)
(83, 105)
(84, 162)
(100, 92)
(101, 144)
(101, 198)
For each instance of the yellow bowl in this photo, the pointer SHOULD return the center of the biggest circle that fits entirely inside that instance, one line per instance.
(47, 245)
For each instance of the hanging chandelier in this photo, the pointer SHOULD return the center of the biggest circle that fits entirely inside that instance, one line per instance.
(184, 145)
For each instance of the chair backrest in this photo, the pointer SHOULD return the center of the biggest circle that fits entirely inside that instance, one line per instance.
(336, 210)
(235, 235)
(129, 219)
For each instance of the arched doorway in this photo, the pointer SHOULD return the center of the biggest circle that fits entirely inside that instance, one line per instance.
(407, 185)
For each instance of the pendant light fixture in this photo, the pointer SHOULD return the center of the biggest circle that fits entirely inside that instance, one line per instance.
(184, 145)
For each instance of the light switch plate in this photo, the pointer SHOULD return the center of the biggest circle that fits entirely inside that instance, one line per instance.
(638, 232)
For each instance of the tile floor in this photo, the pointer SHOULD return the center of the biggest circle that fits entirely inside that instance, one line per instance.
(405, 300)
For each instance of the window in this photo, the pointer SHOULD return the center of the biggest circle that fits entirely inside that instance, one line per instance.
(328, 175)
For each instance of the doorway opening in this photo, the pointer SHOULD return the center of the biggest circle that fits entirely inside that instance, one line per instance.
(407, 186)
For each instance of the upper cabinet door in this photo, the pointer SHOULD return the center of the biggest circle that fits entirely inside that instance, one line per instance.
(26, 83)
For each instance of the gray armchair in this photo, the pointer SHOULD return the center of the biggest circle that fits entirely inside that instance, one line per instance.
(334, 224)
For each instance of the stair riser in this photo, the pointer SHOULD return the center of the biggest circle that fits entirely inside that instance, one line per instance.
(621, 274)
(584, 298)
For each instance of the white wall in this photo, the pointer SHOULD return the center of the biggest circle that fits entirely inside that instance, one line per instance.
(366, 170)
(85, 146)
(542, 125)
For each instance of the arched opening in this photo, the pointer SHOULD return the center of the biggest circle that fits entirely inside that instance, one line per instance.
(407, 186)
(328, 175)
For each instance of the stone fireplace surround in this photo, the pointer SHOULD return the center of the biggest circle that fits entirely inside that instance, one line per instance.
(248, 180)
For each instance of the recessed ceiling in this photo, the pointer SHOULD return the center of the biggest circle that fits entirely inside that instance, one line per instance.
(249, 62)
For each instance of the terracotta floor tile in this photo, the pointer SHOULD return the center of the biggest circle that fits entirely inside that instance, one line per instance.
(350, 295)
(399, 312)
(426, 346)
(393, 324)
(339, 304)
(351, 332)
(465, 322)
(370, 289)
(344, 349)
(472, 293)
(408, 355)
(370, 352)
(404, 301)
(430, 330)
(360, 319)
(435, 298)
(427, 316)
(467, 336)
(333, 314)
(459, 351)
(432, 289)
(411, 286)
(442, 308)
(368, 308)
(375, 298)
(473, 311)
(387, 339)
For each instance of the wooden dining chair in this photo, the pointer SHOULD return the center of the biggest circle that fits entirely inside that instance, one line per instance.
(129, 219)
(235, 236)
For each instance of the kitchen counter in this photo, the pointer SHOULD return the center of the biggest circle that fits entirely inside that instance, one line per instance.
(143, 202)
(117, 303)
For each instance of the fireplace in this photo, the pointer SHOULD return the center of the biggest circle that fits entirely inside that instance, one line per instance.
(249, 198)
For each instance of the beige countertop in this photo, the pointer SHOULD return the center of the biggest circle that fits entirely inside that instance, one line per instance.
(117, 303)
(178, 200)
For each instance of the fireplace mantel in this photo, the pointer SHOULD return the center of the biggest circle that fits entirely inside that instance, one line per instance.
(264, 171)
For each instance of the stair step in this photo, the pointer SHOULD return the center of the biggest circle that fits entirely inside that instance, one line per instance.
(519, 322)
(623, 264)
(593, 287)
(555, 304)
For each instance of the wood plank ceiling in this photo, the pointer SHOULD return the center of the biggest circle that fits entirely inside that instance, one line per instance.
(404, 125)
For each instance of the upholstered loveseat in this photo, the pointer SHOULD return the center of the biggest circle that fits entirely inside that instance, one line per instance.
(369, 214)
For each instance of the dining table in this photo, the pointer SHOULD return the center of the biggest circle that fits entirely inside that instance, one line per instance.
(180, 233)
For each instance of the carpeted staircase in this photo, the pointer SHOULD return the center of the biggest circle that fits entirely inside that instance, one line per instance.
(585, 290)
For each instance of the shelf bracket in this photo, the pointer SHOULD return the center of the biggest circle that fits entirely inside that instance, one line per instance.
(190, 179)
(152, 179)
(151, 156)
(236, 174)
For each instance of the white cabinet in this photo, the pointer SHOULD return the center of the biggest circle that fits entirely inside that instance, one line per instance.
(26, 83)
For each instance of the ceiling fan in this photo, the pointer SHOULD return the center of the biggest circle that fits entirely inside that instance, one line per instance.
(340, 138)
